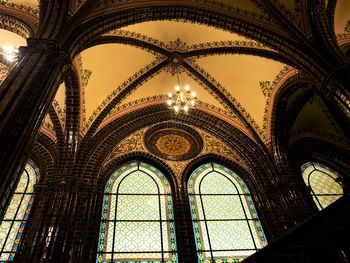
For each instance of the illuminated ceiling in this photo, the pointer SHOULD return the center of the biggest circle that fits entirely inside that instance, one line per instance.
(248, 80)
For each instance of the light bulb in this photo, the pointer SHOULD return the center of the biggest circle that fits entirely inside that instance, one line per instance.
(170, 95)
(176, 108)
(187, 87)
(169, 102)
(194, 94)
(186, 108)
(177, 88)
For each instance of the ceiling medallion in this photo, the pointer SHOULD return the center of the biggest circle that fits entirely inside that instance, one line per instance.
(172, 141)
(173, 145)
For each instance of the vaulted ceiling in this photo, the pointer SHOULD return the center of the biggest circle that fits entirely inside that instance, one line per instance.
(246, 71)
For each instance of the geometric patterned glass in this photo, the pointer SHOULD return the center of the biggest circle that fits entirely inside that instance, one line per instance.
(16, 215)
(225, 223)
(137, 221)
(322, 180)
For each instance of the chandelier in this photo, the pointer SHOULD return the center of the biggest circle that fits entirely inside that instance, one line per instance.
(183, 99)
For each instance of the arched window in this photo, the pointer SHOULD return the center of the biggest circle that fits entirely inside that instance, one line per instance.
(16, 215)
(137, 223)
(323, 183)
(225, 222)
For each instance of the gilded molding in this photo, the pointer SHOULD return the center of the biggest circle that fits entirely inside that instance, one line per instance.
(61, 113)
(270, 87)
(135, 143)
(28, 9)
(4, 71)
(14, 25)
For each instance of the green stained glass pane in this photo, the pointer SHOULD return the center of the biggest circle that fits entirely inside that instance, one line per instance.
(109, 237)
(228, 219)
(4, 256)
(23, 207)
(237, 257)
(202, 236)
(249, 207)
(228, 235)
(322, 183)
(138, 182)
(258, 234)
(326, 200)
(137, 237)
(13, 206)
(17, 212)
(140, 196)
(322, 180)
(12, 236)
(223, 207)
(110, 213)
(22, 184)
(138, 207)
(215, 183)
(5, 227)
(138, 257)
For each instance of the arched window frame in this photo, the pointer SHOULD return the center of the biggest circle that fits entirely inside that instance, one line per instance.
(16, 215)
(326, 171)
(247, 207)
(159, 178)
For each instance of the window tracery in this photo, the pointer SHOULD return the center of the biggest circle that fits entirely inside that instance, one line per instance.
(225, 222)
(17, 213)
(322, 181)
(137, 221)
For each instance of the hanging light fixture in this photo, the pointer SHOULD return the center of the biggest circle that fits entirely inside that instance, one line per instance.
(183, 99)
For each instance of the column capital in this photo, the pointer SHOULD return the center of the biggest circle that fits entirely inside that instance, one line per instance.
(42, 46)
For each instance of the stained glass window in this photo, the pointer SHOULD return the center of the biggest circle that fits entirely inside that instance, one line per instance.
(137, 223)
(16, 215)
(225, 222)
(322, 181)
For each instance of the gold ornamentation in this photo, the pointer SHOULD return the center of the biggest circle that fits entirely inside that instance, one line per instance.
(173, 145)
(61, 113)
(4, 71)
(214, 145)
(131, 144)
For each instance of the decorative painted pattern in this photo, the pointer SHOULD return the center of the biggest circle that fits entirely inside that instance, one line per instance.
(173, 145)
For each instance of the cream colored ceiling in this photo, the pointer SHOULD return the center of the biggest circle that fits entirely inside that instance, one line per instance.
(240, 75)
(30, 3)
(190, 33)
(165, 82)
(12, 39)
(342, 15)
(113, 64)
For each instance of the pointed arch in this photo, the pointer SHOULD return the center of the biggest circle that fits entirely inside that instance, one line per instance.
(16, 215)
(225, 222)
(137, 221)
(323, 183)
